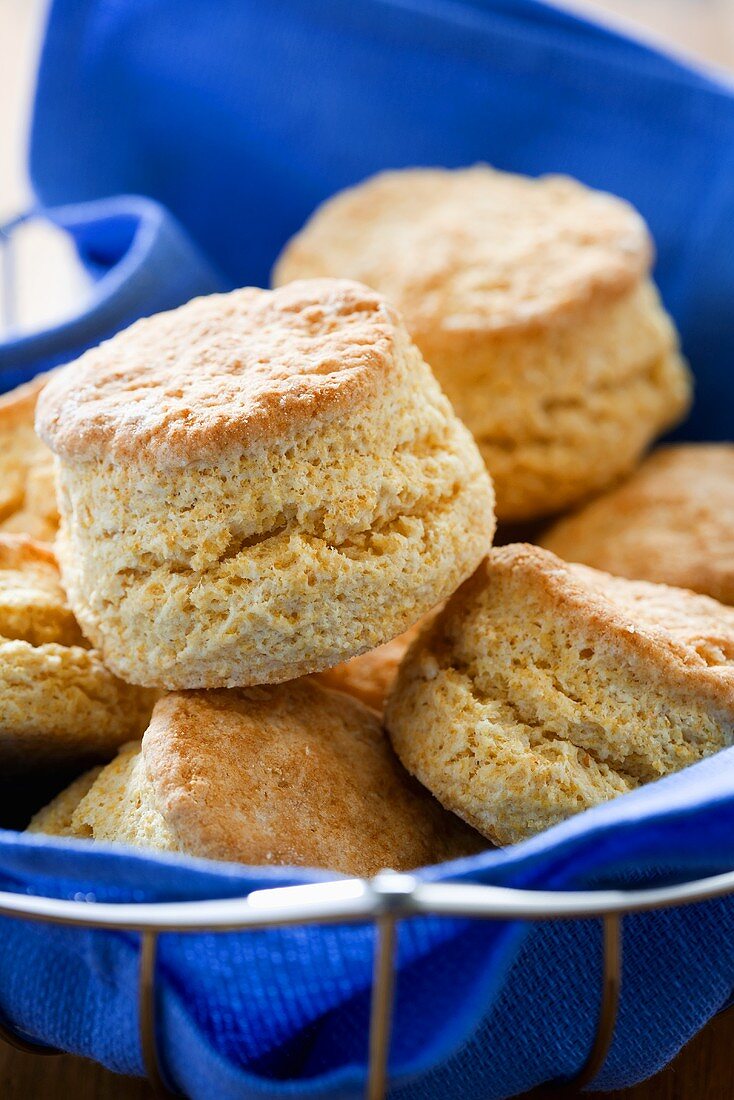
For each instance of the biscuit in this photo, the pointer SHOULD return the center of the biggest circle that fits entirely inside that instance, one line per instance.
(260, 485)
(545, 688)
(672, 521)
(286, 775)
(27, 490)
(55, 819)
(532, 303)
(370, 677)
(58, 702)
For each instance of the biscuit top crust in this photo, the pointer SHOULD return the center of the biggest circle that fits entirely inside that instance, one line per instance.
(672, 521)
(474, 249)
(687, 638)
(222, 373)
(292, 774)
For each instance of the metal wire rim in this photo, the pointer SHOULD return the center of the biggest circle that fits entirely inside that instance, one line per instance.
(349, 900)
(385, 899)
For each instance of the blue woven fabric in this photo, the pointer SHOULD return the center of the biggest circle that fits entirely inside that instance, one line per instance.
(230, 122)
(239, 120)
(483, 1010)
(141, 261)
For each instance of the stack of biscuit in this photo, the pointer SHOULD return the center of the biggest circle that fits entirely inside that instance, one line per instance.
(255, 488)
(274, 554)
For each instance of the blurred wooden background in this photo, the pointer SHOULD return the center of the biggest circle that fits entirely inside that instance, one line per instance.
(702, 29)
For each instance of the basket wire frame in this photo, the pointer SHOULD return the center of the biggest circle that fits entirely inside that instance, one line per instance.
(383, 991)
(385, 899)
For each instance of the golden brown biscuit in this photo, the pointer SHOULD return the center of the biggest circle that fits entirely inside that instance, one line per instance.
(672, 521)
(27, 490)
(545, 688)
(119, 805)
(531, 301)
(293, 774)
(55, 819)
(370, 677)
(259, 485)
(58, 702)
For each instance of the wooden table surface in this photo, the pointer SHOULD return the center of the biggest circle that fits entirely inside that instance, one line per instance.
(705, 1069)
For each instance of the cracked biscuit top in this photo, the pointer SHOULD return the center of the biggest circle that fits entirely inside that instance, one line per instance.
(223, 373)
(686, 638)
(544, 689)
(474, 249)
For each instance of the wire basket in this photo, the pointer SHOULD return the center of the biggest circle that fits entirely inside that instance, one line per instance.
(385, 900)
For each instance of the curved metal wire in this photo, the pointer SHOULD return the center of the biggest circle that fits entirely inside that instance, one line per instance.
(349, 900)
(147, 1009)
(611, 990)
(14, 1039)
(385, 899)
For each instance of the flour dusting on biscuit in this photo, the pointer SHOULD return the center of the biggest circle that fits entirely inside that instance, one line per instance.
(260, 485)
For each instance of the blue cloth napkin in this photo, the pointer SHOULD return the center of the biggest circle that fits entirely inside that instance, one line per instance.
(141, 262)
(230, 122)
(239, 120)
(484, 1010)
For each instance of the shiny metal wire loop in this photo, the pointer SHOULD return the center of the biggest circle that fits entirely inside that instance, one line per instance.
(12, 1037)
(148, 1016)
(611, 990)
(385, 899)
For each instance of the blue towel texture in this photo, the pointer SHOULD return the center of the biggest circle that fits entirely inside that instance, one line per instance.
(181, 143)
